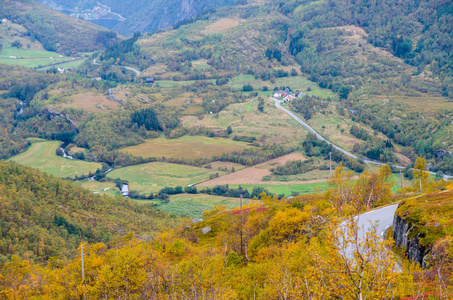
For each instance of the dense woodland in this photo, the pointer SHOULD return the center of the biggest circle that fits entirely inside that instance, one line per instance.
(42, 216)
(290, 247)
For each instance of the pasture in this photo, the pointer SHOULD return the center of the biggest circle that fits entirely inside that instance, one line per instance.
(92, 102)
(41, 155)
(172, 83)
(296, 83)
(272, 126)
(32, 62)
(70, 64)
(220, 26)
(425, 103)
(151, 177)
(188, 147)
(289, 189)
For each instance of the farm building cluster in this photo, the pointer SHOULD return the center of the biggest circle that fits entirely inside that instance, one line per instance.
(287, 96)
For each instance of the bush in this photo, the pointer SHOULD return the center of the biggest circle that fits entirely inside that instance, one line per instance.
(247, 88)
(17, 44)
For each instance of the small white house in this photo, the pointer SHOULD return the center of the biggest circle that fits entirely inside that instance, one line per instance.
(61, 70)
(5, 21)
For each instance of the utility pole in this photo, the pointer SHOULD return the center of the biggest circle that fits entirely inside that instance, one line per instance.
(242, 252)
(330, 161)
(83, 268)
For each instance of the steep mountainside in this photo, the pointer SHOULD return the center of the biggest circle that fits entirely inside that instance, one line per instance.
(54, 30)
(127, 17)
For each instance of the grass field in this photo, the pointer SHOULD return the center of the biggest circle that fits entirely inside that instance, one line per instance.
(290, 189)
(32, 63)
(189, 147)
(220, 26)
(20, 53)
(426, 104)
(272, 126)
(41, 155)
(194, 205)
(171, 83)
(108, 188)
(151, 177)
(28, 57)
(92, 102)
(70, 64)
(299, 83)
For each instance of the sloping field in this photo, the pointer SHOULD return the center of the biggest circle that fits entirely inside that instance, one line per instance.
(221, 25)
(41, 155)
(92, 102)
(151, 177)
(189, 147)
(194, 205)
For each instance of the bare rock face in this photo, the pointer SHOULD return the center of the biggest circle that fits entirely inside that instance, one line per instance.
(414, 251)
(206, 230)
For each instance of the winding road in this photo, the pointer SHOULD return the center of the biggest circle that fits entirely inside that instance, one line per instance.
(382, 218)
(347, 153)
(134, 70)
(129, 68)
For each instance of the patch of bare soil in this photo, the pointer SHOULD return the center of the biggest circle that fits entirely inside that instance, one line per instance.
(255, 174)
(403, 160)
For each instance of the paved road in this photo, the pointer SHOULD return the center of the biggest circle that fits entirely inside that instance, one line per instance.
(366, 160)
(129, 68)
(135, 70)
(382, 218)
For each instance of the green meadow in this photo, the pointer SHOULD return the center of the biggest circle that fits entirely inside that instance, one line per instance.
(151, 177)
(42, 155)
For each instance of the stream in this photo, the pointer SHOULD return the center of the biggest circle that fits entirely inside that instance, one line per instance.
(65, 155)
(21, 110)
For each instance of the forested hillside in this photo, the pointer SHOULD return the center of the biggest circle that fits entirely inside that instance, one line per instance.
(42, 216)
(418, 32)
(290, 249)
(54, 30)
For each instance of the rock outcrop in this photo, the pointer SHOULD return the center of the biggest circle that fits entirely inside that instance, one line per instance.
(401, 233)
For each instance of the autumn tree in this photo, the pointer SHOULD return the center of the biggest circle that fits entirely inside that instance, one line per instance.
(420, 173)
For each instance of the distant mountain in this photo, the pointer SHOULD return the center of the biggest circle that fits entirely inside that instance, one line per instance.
(129, 16)
(56, 31)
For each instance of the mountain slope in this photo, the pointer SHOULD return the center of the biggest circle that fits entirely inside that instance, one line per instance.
(42, 216)
(144, 16)
(56, 31)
